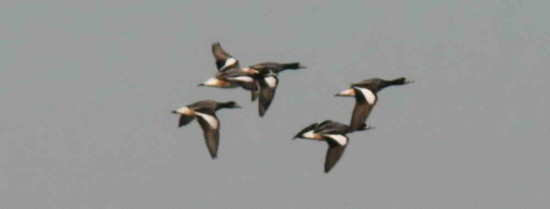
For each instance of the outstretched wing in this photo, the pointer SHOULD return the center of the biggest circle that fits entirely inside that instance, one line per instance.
(223, 59)
(362, 109)
(336, 146)
(185, 119)
(254, 94)
(211, 129)
(268, 85)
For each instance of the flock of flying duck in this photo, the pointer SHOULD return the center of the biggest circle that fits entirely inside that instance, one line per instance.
(261, 80)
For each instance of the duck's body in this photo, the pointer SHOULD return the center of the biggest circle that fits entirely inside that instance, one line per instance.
(365, 93)
(205, 112)
(334, 133)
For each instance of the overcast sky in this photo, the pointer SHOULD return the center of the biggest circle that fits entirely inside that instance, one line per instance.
(87, 88)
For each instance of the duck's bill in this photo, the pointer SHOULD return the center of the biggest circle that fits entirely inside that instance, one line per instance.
(346, 93)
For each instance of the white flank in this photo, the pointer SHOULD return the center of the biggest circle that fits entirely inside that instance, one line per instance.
(271, 81)
(347, 92)
(309, 134)
(371, 98)
(184, 111)
(340, 139)
(212, 122)
(242, 78)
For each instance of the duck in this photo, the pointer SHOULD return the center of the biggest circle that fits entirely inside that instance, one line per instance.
(332, 132)
(205, 112)
(365, 93)
(266, 75)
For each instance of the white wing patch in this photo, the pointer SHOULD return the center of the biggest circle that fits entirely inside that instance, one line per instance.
(212, 122)
(229, 62)
(271, 81)
(247, 79)
(340, 139)
(371, 98)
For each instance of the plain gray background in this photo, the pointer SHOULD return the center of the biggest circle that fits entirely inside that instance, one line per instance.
(87, 88)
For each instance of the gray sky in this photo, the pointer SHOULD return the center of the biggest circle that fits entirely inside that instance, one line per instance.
(87, 89)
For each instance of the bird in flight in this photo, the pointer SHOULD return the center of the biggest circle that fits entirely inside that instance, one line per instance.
(205, 112)
(334, 133)
(365, 93)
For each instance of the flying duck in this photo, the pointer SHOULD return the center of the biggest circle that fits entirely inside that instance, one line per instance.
(334, 133)
(365, 93)
(205, 112)
(265, 74)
